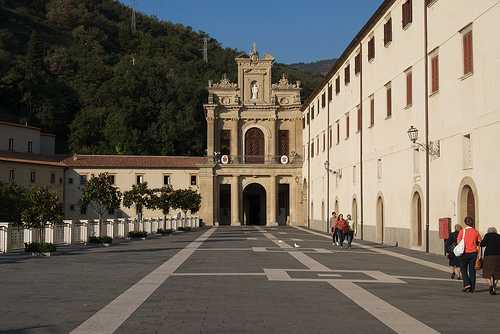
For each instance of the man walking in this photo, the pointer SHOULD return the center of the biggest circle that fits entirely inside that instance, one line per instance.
(333, 228)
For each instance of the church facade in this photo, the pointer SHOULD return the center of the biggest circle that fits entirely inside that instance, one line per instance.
(253, 173)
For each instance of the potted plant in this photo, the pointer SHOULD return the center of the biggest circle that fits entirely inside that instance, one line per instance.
(137, 235)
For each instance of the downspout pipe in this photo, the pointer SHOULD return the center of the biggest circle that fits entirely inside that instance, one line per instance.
(427, 162)
(361, 179)
(328, 159)
(308, 121)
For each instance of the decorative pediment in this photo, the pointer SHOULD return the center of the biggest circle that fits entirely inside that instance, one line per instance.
(225, 83)
(284, 84)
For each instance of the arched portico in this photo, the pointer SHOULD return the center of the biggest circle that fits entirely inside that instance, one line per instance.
(254, 204)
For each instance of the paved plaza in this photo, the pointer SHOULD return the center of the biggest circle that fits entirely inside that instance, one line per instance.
(239, 280)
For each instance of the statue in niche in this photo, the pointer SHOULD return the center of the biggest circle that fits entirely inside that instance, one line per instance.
(255, 90)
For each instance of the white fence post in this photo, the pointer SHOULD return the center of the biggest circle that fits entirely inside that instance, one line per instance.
(28, 235)
(109, 228)
(4, 230)
(67, 231)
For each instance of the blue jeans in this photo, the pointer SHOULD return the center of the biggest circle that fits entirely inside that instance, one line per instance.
(340, 236)
(467, 266)
(350, 236)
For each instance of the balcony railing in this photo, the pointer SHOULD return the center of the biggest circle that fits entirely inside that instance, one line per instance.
(222, 159)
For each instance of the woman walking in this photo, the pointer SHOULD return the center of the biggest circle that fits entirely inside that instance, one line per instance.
(342, 229)
(491, 262)
(351, 232)
(454, 261)
(471, 239)
(333, 227)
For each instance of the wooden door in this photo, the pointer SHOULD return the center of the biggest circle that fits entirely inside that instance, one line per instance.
(254, 146)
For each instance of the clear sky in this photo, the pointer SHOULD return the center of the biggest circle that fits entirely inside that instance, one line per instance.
(291, 30)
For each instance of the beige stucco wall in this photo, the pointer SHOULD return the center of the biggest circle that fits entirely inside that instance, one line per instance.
(392, 168)
(43, 173)
(21, 135)
(124, 179)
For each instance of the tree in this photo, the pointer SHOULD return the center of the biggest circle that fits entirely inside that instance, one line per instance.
(100, 192)
(139, 196)
(186, 200)
(14, 201)
(44, 207)
(162, 199)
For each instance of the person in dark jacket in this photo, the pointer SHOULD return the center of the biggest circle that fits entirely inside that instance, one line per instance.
(491, 261)
(453, 261)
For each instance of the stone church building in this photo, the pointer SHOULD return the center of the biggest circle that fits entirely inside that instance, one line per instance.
(254, 129)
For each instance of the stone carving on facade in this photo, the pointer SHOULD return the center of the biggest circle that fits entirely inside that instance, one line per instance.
(255, 90)
(254, 55)
(225, 83)
(285, 84)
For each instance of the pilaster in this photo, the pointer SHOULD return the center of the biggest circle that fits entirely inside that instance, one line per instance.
(235, 201)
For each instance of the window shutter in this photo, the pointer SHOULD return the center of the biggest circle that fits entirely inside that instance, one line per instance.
(347, 74)
(357, 63)
(371, 48)
(389, 101)
(337, 85)
(435, 74)
(338, 132)
(360, 120)
(468, 53)
(372, 111)
(347, 125)
(409, 89)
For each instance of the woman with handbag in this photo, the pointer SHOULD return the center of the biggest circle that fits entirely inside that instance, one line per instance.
(468, 239)
(453, 261)
(491, 261)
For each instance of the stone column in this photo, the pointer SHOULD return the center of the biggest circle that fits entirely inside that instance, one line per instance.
(235, 201)
(234, 140)
(210, 137)
(271, 202)
(272, 142)
(293, 202)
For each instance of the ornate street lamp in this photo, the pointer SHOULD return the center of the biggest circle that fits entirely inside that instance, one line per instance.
(433, 149)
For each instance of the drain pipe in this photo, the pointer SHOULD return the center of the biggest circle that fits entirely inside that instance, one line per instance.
(361, 139)
(427, 162)
(308, 120)
(328, 159)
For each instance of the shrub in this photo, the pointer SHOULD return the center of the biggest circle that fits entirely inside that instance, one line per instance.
(184, 228)
(137, 235)
(165, 232)
(100, 240)
(39, 247)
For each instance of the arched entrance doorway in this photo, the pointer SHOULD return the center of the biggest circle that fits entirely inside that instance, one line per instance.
(468, 204)
(380, 220)
(416, 220)
(254, 204)
(254, 146)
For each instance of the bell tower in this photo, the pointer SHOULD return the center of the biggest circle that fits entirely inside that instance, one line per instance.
(254, 78)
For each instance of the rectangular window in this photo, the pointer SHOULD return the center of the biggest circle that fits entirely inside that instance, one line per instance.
(308, 118)
(323, 100)
(312, 149)
(337, 85)
(317, 145)
(324, 141)
(33, 177)
(468, 53)
(139, 179)
(303, 123)
(12, 175)
(112, 178)
(409, 88)
(11, 144)
(347, 126)
(389, 99)
(360, 118)
(283, 142)
(225, 142)
(338, 132)
(434, 74)
(388, 32)
(357, 63)
(312, 113)
(30, 146)
(371, 49)
(330, 136)
(83, 179)
(318, 107)
(407, 13)
(347, 74)
(52, 178)
(194, 180)
(83, 210)
(372, 111)
(70, 180)
(330, 94)
(166, 180)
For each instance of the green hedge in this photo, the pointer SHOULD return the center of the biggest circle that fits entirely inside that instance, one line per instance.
(100, 240)
(165, 232)
(136, 234)
(39, 247)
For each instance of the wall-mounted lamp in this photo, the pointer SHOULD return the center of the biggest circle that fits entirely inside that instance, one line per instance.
(327, 167)
(433, 149)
